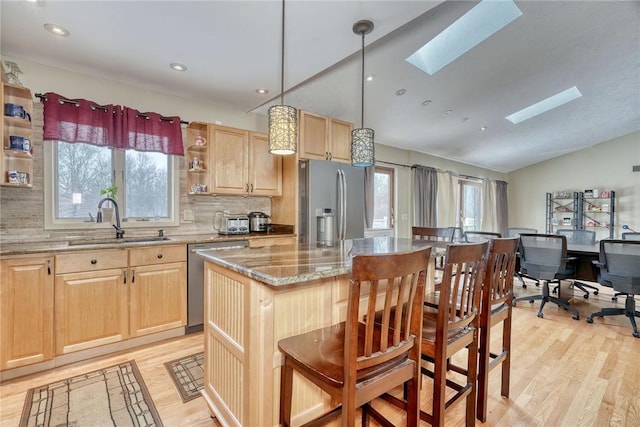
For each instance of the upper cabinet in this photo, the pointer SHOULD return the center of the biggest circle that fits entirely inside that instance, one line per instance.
(16, 161)
(324, 138)
(241, 163)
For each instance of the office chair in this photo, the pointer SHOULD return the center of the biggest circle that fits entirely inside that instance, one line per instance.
(631, 235)
(516, 232)
(619, 263)
(480, 236)
(544, 257)
(579, 237)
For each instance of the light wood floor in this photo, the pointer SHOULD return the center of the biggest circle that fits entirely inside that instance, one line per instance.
(564, 373)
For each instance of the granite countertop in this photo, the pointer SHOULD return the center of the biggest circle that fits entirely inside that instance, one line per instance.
(291, 264)
(85, 243)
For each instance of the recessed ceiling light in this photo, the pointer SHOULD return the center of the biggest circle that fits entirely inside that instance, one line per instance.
(464, 119)
(446, 113)
(425, 103)
(369, 78)
(545, 105)
(57, 30)
(483, 128)
(262, 91)
(475, 26)
(401, 92)
(178, 67)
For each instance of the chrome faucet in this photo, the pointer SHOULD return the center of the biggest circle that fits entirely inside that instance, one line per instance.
(119, 230)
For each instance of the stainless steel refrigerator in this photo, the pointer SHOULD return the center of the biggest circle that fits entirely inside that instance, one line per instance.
(331, 185)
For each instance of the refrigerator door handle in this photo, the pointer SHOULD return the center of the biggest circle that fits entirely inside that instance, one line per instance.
(339, 206)
(342, 219)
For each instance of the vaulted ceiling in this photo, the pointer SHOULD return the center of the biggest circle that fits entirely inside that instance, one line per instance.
(232, 48)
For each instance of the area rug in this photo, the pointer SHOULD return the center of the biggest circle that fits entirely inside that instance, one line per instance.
(113, 396)
(188, 375)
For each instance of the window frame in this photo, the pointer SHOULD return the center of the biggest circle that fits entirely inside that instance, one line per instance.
(392, 198)
(51, 222)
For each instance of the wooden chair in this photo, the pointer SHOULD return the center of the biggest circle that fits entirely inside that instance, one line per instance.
(496, 308)
(357, 360)
(434, 234)
(480, 236)
(450, 328)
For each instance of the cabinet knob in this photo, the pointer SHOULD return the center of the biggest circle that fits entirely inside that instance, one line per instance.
(94, 261)
(159, 256)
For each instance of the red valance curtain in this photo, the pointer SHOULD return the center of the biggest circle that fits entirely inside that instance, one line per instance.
(151, 132)
(79, 120)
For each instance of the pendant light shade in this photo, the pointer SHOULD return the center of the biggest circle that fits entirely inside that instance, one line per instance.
(283, 119)
(362, 139)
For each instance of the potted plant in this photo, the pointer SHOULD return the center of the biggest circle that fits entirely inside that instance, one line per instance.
(107, 212)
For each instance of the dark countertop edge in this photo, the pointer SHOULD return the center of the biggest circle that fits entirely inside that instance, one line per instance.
(61, 246)
(276, 282)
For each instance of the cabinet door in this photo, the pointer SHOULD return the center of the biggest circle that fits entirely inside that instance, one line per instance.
(265, 169)
(229, 162)
(313, 137)
(26, 311)
(158, 298)
(90, 309)
(340, 141)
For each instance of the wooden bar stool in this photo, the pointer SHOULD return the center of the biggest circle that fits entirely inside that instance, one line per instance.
(496, 307)
(450, 324)
(434, 234)
(357, 360)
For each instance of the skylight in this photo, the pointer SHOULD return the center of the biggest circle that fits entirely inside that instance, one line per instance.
(475, 26)
(545, 105)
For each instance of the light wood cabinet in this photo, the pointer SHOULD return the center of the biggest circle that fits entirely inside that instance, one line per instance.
(324, 138)
(158, 289)
(91, 300)
(102, 297)
(242, 164)
(272, 241)
(17, 161)
(26, 311)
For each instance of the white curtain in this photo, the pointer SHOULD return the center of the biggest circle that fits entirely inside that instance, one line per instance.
(489, 214)
(446, 204)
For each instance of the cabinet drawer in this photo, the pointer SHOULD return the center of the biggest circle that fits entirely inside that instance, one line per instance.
(91, 261)
(272, 241)
(157, 255)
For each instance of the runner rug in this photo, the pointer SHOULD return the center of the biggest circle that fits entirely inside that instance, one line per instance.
(188, 375)
(113, 396)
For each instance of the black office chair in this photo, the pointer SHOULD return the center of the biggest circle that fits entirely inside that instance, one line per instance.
(579, 237)
(544, 257)
(480, 236)
(515, 232)
(619, 264)
(631, 235)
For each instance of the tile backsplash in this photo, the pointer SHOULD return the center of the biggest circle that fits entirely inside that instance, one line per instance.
(22, 209)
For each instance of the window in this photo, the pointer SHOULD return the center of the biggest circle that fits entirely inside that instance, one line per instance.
(76, 172)
(470, 205)
(383, 198)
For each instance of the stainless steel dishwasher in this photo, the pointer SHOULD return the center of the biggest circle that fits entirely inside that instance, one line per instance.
(195, 280)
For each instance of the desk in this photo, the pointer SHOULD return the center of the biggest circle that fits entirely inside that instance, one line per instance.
(585, 270)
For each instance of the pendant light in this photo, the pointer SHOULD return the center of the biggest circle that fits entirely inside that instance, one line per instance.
(283, 119)
(362, 147)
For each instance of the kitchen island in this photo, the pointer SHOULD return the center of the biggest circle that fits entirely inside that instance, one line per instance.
(256, 297)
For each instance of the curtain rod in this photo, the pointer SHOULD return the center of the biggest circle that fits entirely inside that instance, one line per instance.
(103, 108)
(439, 170)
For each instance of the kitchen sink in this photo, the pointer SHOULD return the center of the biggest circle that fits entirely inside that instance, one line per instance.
(117, 241)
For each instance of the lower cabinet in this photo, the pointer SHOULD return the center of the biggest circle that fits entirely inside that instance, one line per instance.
(102, 297)
(91, 299)
(158, 289)
(26, 311)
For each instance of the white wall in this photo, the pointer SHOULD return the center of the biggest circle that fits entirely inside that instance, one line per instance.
(605, 166)
(42, 78)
